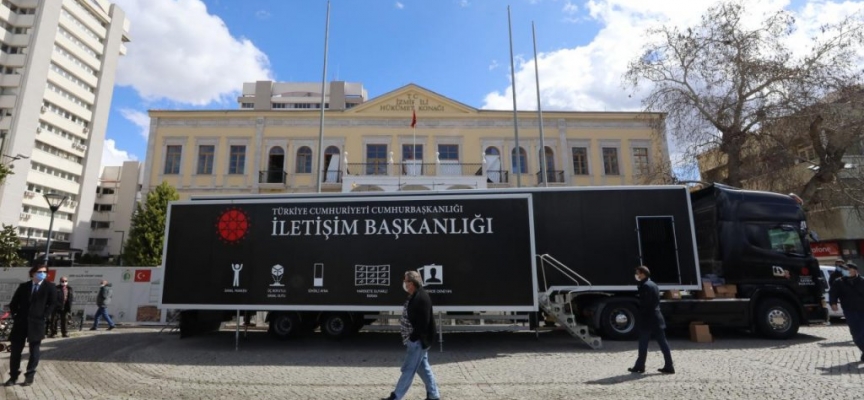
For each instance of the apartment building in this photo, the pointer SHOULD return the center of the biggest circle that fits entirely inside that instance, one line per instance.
(372, 146)
(116, 198)
(57, 67)
(269, 95)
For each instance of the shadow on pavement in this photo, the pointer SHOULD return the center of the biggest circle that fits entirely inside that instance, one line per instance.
(852, 368)
(614, 380)
(366, 349)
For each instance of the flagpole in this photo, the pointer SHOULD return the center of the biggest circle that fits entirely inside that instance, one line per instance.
(543, 164)
(323, 84)
(515, 117)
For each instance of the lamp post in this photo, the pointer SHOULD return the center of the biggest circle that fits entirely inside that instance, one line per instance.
(55, 200)
(122, 241)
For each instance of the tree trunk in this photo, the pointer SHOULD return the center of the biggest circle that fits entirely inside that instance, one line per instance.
(732, 146)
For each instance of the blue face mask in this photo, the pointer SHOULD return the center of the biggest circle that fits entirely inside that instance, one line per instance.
(40, 276)
(845, 272)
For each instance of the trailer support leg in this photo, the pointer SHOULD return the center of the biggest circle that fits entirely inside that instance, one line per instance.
(237, 332)
(440, 334)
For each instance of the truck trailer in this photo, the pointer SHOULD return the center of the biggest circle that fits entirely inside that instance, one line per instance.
(331, 260)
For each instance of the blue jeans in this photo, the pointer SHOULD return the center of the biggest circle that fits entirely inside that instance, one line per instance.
(102, 312)
(416, 362)
(855, 320)
(644, 338)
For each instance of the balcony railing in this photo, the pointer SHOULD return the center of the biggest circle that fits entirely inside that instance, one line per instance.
(272, 176)
(551, 176)
(331, 176)
(416, 169)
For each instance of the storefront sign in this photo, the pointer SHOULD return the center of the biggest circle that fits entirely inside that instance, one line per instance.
(825, 249)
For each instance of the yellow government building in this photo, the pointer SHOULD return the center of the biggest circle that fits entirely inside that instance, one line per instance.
(270, 144)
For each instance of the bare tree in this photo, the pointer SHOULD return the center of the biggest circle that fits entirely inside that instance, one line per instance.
(722, 82)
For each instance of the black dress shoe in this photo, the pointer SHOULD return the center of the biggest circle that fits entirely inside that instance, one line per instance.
(637, 370)
(392, 396)
(65, 335)
(28, 380)
(11, 382)
(666, 370)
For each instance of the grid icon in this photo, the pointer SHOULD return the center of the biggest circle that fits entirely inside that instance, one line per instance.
(372, 275)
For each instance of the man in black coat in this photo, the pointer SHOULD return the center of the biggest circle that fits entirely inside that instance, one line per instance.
(65, 296)
(650, 322)
(32, 303)
(850, 292)
(418, 333)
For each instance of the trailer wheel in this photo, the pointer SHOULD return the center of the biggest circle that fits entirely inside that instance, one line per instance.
(284, 325)
(777, 319)
(337, 325)
(618, 320)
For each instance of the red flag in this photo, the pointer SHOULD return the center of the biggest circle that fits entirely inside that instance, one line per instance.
(413, 118)
(142, 275)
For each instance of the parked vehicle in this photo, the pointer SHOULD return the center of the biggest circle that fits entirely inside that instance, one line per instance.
(826, 273)
(330, 260)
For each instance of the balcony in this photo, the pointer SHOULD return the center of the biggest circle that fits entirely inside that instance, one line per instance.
(498, 176)
(272, 176)
(550, 176)
(416, 169)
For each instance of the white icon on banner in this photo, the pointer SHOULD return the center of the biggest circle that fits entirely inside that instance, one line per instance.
(318, 276)
(432, 274)
(372, 275)
(236, 268)
(277, 272)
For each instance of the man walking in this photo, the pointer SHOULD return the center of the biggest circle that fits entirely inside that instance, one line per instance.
(64, 307)
(32, 303)
(418, 332)
(850, 291)
(650, 322)
(102, 302)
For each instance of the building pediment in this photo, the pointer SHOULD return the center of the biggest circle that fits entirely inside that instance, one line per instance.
(402, 101)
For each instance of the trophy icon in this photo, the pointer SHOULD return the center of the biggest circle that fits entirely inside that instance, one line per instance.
(277, 272)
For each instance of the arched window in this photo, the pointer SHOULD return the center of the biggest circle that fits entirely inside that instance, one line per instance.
(492, 151)
(304, 160)
(332, 163)
(276, 165)
(519, 162)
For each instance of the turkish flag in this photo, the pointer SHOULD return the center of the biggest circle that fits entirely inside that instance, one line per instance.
(142, 275)
(413, 118)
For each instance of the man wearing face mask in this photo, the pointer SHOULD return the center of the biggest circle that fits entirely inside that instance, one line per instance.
(850, 291)
(418, 332)
(650, 322)
(839, 271)
(64, 307)
(32, 303)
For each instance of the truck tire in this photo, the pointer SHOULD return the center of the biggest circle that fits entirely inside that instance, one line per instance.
(618, 320)
(284, 325)
(337, 325)
(777, 319)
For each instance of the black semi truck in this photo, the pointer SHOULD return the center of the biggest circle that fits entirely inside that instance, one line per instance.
(331, 260)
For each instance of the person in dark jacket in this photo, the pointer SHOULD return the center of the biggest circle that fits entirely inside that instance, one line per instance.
(650, 322)
(32, 303)
(418, 333)
(840, 271)
(103, 299)
(850, 292)
(64, 307)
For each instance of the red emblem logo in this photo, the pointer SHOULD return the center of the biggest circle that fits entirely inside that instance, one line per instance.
(233, 225)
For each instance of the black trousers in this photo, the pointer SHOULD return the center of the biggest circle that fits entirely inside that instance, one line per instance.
(60, 317)
(660, 336)
(15, 358)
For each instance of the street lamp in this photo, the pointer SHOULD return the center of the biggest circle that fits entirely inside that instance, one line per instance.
(122, 240)
(55, 200)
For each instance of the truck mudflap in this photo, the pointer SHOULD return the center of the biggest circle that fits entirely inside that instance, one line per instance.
(815, 313)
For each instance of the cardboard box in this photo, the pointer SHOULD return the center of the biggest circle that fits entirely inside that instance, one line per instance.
(700, 333)
(726, 291)
(672, 295)
(707, 291)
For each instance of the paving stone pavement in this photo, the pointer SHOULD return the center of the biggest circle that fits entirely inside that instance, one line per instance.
(139, 363)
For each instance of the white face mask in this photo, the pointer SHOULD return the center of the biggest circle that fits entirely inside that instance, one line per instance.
(637, 278)
(405, 286)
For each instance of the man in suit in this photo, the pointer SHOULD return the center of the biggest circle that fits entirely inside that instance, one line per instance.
(418, 331)
(64, 307)
(32, 303)
(650, 322)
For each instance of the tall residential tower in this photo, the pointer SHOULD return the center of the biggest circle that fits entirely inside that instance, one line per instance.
(58, 60)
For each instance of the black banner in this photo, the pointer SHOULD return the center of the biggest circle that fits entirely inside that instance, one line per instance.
(350, 254)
